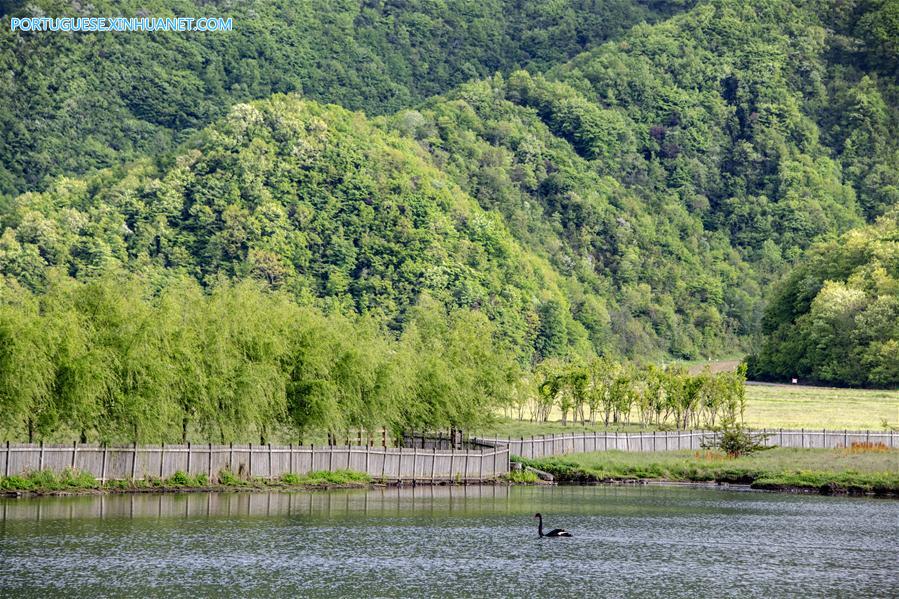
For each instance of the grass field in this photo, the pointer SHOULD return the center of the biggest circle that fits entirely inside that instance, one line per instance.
(767, 406)
(773, 468)
(800, 406)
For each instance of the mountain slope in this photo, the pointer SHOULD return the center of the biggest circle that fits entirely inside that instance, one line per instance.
(674, 173)
(75, 102)
(635, 201)
(307, 198)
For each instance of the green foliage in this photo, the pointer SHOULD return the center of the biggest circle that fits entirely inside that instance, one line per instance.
(278, 267)
(615, 393)
(73, 103)
(129, 361)
(735, 440)
(337, 477)
(229, 479)
(835, 317)
(526, 477)
(47, 480)
(825, 470)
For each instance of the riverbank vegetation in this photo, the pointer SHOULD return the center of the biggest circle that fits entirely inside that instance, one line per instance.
(75, 481)
(861, 469)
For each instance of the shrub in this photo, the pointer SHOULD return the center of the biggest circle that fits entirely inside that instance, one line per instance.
(179, 479)
(290, 479)
(226, 477)
(735, 440)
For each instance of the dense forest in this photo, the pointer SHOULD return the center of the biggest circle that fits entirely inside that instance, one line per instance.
(74, 103)
(835, 317)
(492, 190)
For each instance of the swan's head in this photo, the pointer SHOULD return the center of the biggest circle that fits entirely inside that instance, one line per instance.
(537, 515)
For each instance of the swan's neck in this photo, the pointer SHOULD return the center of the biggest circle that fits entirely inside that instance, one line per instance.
(540, 526)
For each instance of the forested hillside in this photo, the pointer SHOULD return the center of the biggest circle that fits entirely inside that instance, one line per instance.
(635, 202)
(76, 102)
(656, 184)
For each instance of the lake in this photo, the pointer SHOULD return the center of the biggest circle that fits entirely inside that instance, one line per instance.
(450, 541)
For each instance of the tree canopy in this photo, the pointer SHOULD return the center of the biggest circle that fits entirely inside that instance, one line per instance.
(834, 319)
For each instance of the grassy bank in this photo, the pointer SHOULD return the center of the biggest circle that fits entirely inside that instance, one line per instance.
(814, 470)
(71, 481)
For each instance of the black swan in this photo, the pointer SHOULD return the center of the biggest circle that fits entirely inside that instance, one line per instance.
(557, 532)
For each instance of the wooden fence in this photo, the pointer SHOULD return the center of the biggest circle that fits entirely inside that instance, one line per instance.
(437, 461)
(252, 461)
(564, 443)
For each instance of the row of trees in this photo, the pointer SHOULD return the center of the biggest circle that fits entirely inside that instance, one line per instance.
(124, 359)
(603, 390)
(118, 360)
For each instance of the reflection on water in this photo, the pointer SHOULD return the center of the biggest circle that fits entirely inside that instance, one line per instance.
(450, 541)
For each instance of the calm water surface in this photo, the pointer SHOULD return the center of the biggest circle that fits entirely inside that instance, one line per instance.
(475, 541)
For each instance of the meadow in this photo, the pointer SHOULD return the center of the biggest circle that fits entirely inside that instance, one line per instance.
(767, 406)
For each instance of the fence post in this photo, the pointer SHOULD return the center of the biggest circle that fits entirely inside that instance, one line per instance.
(250, 472)
(209, 465)
(434, 463)
(103, 467)
(802, 438)
(654, 441)
(867, 437)
(330, 458)
(188, 457)
(133, 459)
(270, 477)
(367, 457)
(384, 464)
(40, 461)
(481, 466)
(465, 472)
(414, 457)
(452, 458)
(161, 459)
(74, 454)
(6, 467)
